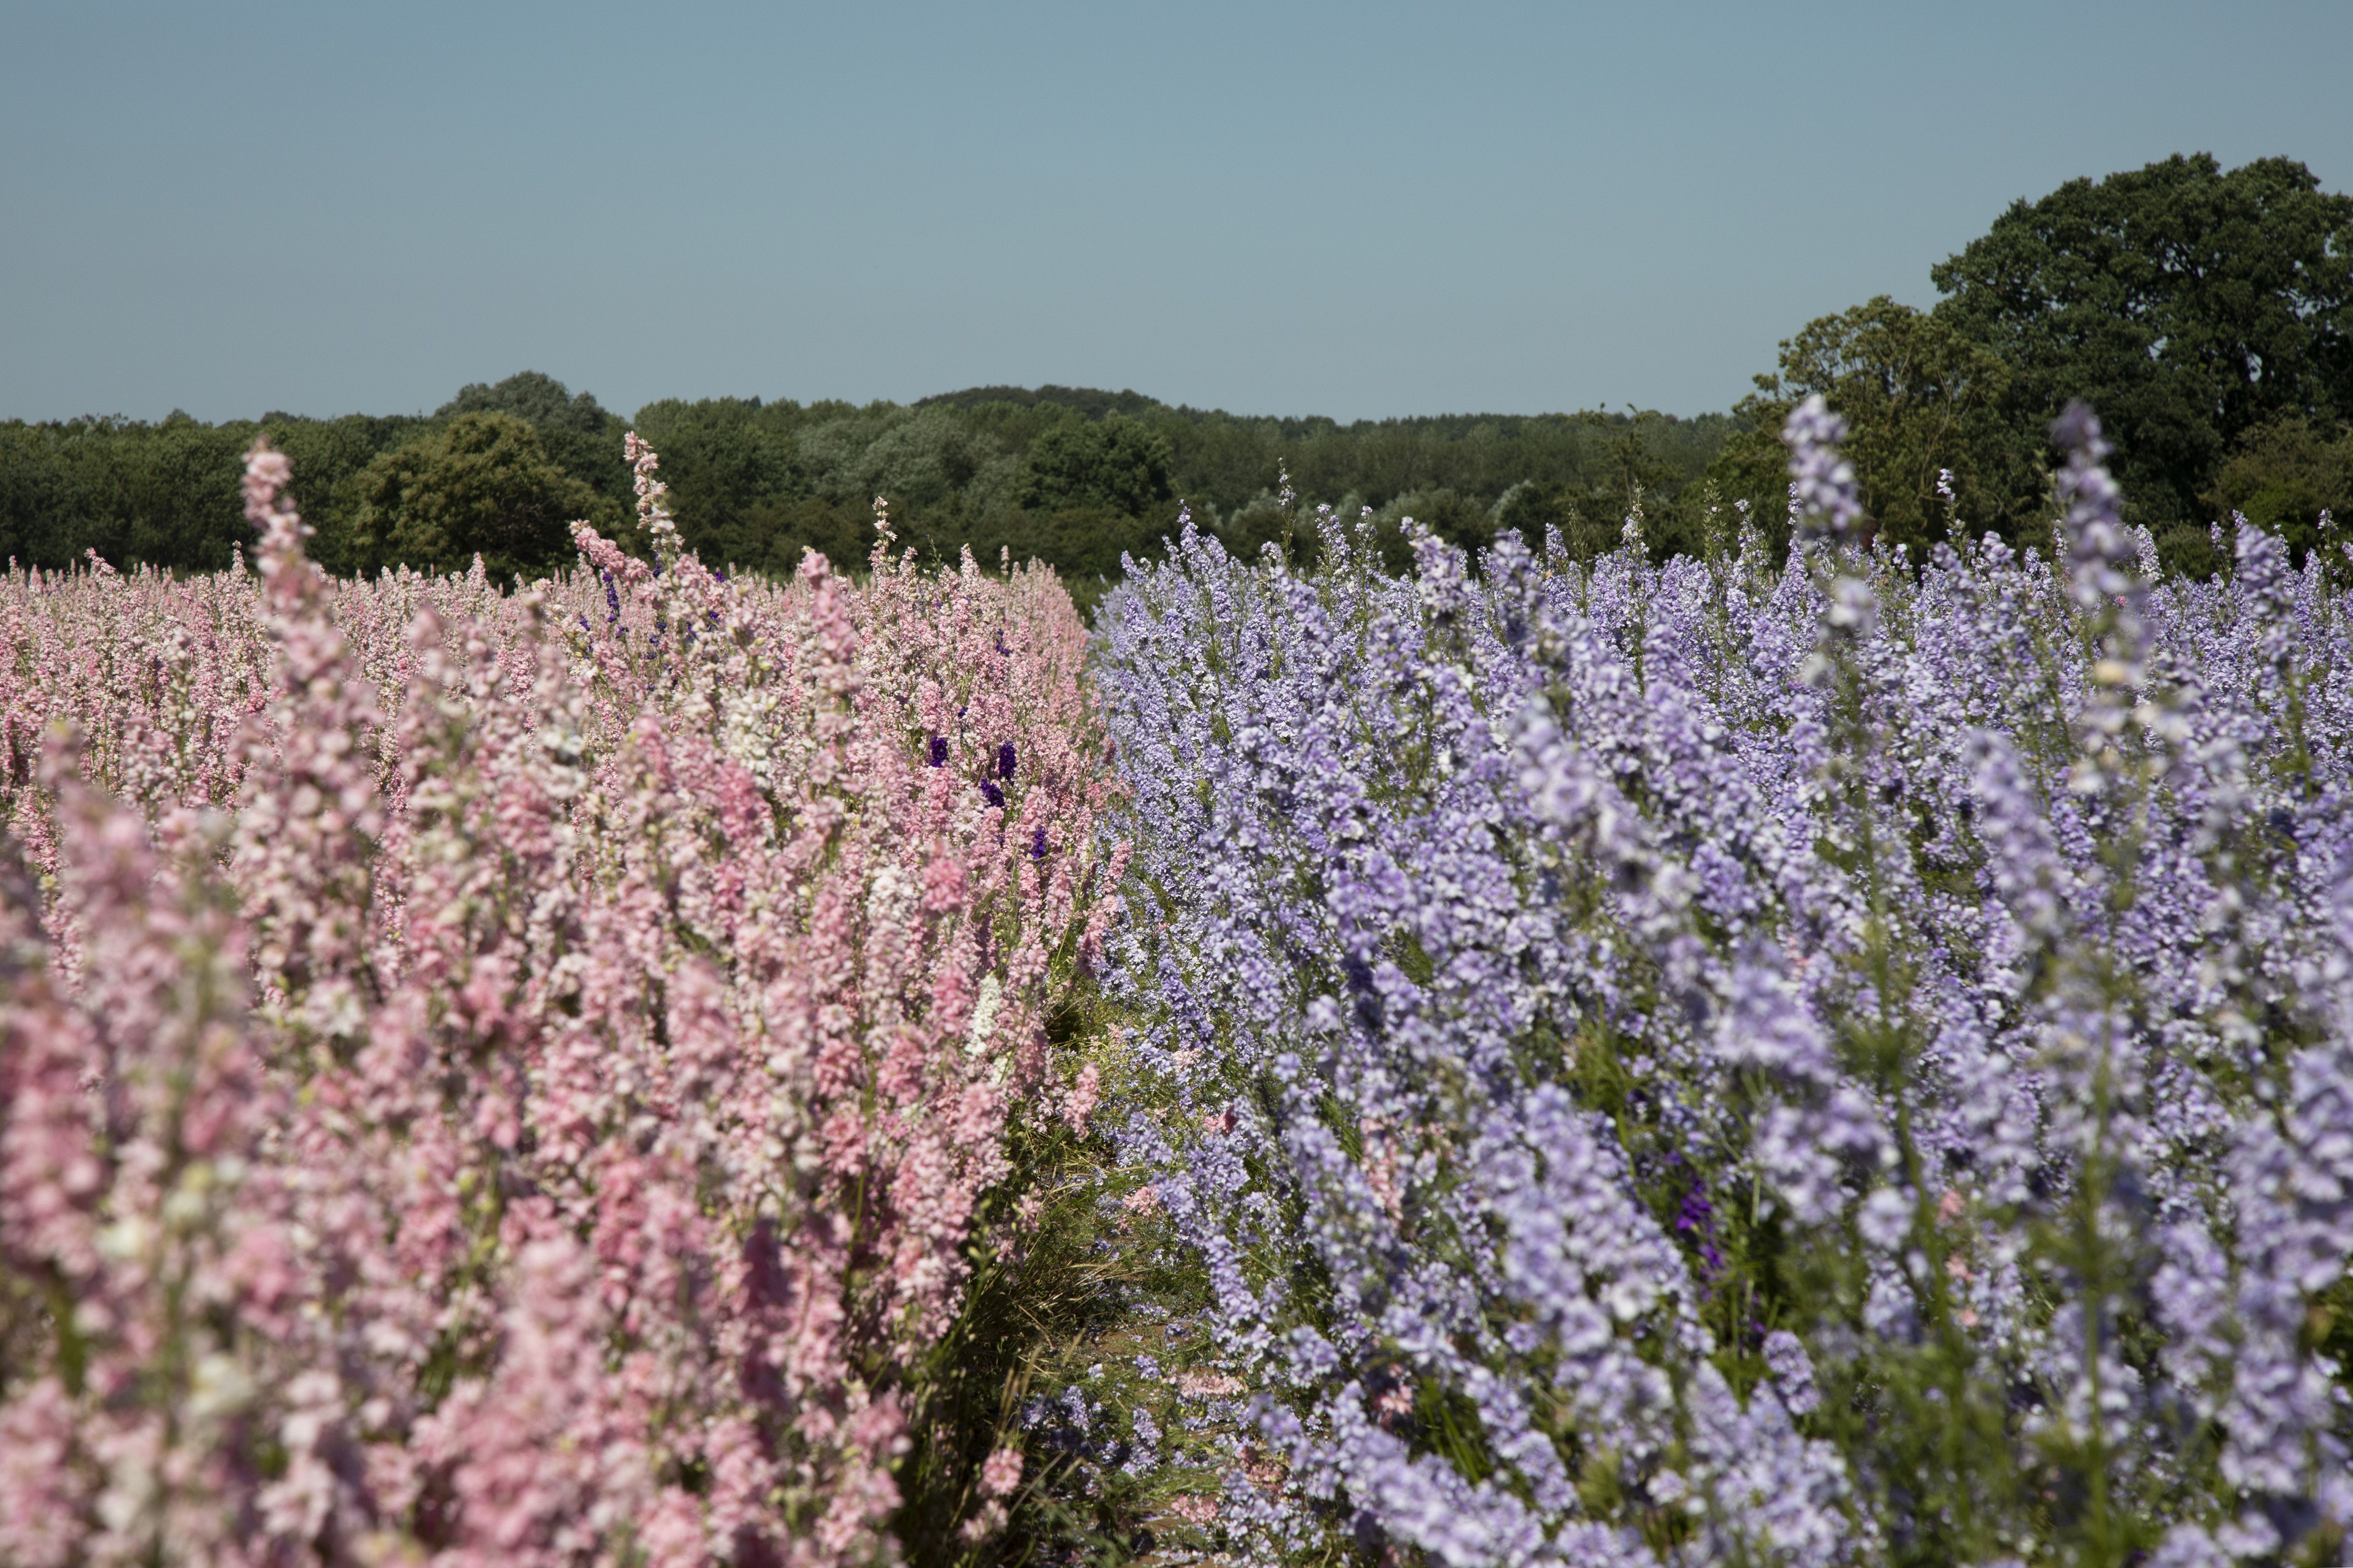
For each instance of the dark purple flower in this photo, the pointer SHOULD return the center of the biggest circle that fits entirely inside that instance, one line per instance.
(1005, 761)
(991, 794)
(939, 752)
(1037, 844)
(1696, 1218)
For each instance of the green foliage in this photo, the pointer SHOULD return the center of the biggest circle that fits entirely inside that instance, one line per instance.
(327, 456)
(2188, 305)
(538, 399)
(579, 434)
(1920, 398)
(926, 457)
(1634, 479)
(1050, 401)
(2208, 316)
(2284, 475)
(482, 484)
(1076, 478)
(1116, 465)
(771, 537)
(1080, 478)
(1224, 461)
(167, 494)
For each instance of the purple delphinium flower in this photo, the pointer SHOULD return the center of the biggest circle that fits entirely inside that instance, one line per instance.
(1696, 1221)
(938, 749)
(1792, 1369)
(1823, 483)
(2096, 537)
(1576, 919)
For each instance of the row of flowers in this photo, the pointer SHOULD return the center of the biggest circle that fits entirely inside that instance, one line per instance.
(1848, 1060)
(516, 1078)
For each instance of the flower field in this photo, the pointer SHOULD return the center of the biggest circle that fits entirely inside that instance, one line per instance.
(1839, 1059)
(515, 1077)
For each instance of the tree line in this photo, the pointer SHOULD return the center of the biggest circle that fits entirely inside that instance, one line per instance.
(2208, 315)
(1072, 476)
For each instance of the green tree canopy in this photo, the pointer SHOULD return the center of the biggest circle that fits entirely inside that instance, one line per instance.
(1118, 464)
(531, 395)
(483, 485)
(755, 483)
(2186, 304)
(1919, 398)
(2285, 475)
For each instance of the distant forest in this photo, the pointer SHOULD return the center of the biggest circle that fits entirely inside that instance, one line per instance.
(2206, 315)
(1071, 476)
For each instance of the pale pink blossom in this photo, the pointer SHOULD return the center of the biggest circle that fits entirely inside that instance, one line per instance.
(1000, 1473)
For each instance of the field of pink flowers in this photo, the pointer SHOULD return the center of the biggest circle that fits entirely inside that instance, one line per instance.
(516, 1078)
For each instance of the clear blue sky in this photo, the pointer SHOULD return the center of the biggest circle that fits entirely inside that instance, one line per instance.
(1355, 210)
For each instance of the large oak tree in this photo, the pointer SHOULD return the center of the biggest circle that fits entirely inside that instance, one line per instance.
(2188, 305)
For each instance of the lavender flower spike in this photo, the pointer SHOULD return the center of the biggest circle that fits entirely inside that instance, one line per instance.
(2096, 530)
(1823, 483)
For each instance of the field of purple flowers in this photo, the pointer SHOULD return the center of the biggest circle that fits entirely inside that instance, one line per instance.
(1849, 1061)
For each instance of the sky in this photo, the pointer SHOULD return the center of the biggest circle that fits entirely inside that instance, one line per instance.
(1359, 211)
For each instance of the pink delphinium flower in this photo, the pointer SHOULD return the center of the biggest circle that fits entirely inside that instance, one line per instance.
(625, 1018)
